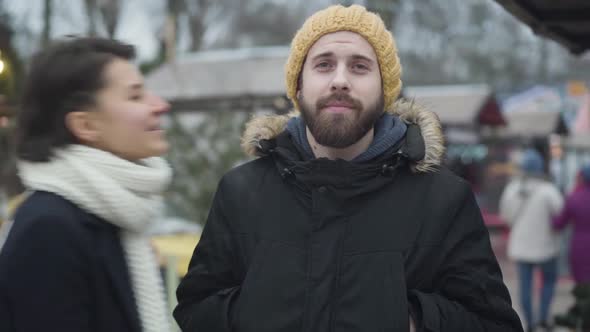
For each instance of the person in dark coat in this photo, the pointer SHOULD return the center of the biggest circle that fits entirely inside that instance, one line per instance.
(577, 213)
(346, 221)
(77, 257)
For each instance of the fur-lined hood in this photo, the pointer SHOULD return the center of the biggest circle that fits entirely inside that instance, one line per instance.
(270, 126)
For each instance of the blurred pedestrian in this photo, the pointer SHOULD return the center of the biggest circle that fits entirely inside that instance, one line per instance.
(577, 213)
(77, 257)
(346, 221)
(528, 204)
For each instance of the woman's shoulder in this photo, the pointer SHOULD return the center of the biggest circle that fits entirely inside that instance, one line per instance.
(579, 196)
(44, 199)
(45, 214)
(40, 208)
(46, 230)
(48, 205)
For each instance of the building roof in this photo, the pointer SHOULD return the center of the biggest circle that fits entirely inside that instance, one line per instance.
(239, 78)
(459, 105)
(565, 21)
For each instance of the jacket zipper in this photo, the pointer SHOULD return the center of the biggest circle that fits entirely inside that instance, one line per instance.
(336, 286)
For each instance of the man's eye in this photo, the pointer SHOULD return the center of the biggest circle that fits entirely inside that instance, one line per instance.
(361, 67)
(323, 65)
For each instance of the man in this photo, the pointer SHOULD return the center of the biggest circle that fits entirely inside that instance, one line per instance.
(345, 222)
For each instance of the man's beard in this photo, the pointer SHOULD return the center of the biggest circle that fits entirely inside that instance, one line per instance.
(339, 130)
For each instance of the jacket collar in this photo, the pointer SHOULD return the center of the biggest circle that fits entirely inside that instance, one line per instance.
(424, 141)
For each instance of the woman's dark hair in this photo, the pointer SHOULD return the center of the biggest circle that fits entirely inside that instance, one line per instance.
(62, 78)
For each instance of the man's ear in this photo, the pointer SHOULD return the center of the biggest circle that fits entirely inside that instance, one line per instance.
(82, 124)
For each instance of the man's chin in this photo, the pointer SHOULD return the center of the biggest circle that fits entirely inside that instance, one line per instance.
(327, 118)
(336, 140)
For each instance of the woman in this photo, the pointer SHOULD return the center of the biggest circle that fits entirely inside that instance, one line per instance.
(528, 204)
(577, 211)
(89, 139)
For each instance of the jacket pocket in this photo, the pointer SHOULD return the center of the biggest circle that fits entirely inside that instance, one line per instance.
(250, 284)
(395, 302)
(371, 294)
(273, 291)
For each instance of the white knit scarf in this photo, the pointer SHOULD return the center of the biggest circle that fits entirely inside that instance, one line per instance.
(123, 193)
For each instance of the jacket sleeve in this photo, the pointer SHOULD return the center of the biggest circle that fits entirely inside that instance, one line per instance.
(509, 203)
(564, 217)
(468, 293)
(554, 200)
(207, 292)
(44, 278)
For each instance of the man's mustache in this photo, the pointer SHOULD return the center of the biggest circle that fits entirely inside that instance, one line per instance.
(340, 98)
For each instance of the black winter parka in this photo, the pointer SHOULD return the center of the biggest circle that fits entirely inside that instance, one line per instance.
(332, 246)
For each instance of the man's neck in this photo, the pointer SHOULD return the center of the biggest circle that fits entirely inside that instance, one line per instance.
(348, 153)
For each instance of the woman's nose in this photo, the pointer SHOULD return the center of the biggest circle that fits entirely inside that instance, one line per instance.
(159, 104)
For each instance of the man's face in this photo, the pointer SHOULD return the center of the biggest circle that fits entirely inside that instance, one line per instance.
(340, 92)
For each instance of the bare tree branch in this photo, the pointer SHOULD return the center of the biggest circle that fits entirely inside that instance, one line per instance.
(110, 11)
(197, 12)
(47, 18)
(170, 37)
(91, 10)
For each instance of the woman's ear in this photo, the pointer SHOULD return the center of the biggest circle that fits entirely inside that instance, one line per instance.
(82, 125)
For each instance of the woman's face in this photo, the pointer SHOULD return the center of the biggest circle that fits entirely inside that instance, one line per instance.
(125, 119)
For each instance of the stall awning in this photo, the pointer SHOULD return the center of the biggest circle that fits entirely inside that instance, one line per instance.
(565, 21)
(535, 124)
(468, 106)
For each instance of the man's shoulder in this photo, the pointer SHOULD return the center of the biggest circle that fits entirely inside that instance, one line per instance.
(444, 180)
(248, 173)
(439, 188)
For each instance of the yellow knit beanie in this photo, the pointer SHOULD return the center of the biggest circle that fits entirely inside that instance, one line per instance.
(355, 19)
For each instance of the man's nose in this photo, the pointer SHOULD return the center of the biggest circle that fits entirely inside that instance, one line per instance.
(340, 81)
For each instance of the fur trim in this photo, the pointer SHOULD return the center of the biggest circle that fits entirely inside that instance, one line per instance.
(270, 126)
